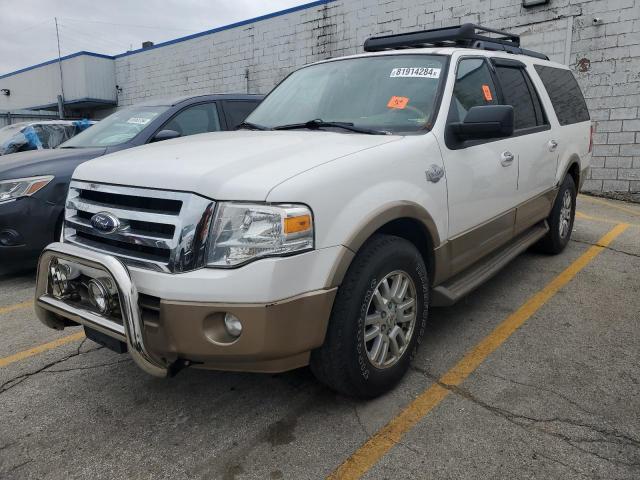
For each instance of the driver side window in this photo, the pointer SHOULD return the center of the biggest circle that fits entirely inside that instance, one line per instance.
(474, 87)
(200, 118)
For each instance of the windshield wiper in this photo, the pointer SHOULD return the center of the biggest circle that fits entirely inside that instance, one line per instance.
(319, 123)
(251, 126)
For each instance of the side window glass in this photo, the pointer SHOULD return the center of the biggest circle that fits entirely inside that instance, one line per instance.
(565, 94)
(474, 87)
(537, 103)
(197, 119)
(236, 111)
(516, 93)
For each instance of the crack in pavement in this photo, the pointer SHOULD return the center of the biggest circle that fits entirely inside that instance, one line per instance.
(566, 465)
(16, 467)
(89, 367)
(531, 423)
(584, 242)
(359, 420)
(7, 445)
(368, 435)
(544, 389)
(13, 382)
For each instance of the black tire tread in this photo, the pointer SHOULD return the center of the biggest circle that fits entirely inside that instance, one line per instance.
(327, 362)
(551, 243)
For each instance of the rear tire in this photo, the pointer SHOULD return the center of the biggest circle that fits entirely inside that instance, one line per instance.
(560, 219)
(385, 296)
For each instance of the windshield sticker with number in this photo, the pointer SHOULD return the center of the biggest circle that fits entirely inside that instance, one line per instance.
(139, 120)
(415, 72)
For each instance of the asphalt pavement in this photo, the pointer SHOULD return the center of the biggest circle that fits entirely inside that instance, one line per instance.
(534, 375)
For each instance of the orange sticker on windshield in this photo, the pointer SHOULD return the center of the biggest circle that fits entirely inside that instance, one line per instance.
(397, 102)
(487, 93)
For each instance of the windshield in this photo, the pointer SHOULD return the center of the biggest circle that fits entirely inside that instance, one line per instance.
(6, 133)
(395, 93)
(117, 128)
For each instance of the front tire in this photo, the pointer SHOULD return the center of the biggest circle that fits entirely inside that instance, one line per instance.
(560, 219)
(377, 320)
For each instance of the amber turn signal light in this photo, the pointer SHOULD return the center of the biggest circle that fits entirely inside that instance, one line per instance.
(298, 224)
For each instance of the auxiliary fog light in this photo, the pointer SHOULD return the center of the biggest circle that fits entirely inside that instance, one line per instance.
(232, 324)
(59, 278)
(100, 294)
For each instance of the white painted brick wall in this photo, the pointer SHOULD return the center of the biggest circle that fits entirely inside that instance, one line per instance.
(254, 57)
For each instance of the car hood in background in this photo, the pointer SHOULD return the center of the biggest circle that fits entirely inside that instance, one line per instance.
(239, 165)
(57, 161)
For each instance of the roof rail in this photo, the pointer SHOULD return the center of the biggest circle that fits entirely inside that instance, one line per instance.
(466, 35)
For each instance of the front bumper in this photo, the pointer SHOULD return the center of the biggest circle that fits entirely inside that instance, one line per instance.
(159, 333)
(27, 225)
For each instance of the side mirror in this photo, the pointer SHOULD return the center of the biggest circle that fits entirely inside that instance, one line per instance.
(165, 135)
(488, 121)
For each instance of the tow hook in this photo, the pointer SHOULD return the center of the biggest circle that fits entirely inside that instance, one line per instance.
(177, 366)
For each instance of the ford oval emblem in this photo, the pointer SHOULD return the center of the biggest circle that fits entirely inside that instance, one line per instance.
(105, 222)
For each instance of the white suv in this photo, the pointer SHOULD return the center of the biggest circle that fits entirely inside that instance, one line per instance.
(361, 192)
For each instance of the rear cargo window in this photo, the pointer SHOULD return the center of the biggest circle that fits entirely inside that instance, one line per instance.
(565, 94)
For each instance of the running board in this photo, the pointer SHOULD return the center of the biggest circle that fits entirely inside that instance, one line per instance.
(454, 289)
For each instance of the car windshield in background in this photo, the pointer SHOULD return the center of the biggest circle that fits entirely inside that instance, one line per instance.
(8, 132)
(117, 128)
(395, 93)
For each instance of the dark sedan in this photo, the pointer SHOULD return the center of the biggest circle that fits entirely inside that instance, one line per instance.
(33, 185)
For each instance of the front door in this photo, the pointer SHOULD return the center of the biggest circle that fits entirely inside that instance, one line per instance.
(481, 176)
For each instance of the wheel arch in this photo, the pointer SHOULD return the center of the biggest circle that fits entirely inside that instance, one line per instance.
(403, 219)
(572, 168)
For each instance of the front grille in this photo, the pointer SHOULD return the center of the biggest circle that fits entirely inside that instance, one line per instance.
(161, 230)
(157, 205)
(156, 228)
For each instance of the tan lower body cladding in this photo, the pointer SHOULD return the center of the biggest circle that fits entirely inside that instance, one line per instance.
(275, 337)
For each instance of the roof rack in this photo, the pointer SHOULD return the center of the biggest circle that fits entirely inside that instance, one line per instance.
(467, 35)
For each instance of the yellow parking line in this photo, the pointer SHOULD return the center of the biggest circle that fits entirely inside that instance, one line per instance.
(612, 205)
(40, 349)
(384, 439)
(596, 218)
(17, 306)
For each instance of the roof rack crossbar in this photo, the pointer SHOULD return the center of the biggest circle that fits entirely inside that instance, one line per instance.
(466, 35)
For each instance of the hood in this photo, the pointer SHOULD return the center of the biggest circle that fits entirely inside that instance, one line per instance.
(239, 165)
(57, 161)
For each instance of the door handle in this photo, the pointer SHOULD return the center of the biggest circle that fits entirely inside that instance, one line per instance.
(506, 159)
(552, 145)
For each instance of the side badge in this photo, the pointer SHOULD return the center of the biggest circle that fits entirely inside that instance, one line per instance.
(434, 173)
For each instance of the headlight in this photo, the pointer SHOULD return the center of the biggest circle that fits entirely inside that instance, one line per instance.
(22, 187)
(244, 232)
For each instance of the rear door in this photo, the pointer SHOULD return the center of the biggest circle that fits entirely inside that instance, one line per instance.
(194, 119)
(537, 149)
(572, 122)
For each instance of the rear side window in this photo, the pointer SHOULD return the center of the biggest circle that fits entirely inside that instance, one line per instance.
(199, 118)
(517, 93)
(565, 94)
(237, 111)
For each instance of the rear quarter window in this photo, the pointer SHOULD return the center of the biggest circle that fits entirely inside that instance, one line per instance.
(565, 94)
